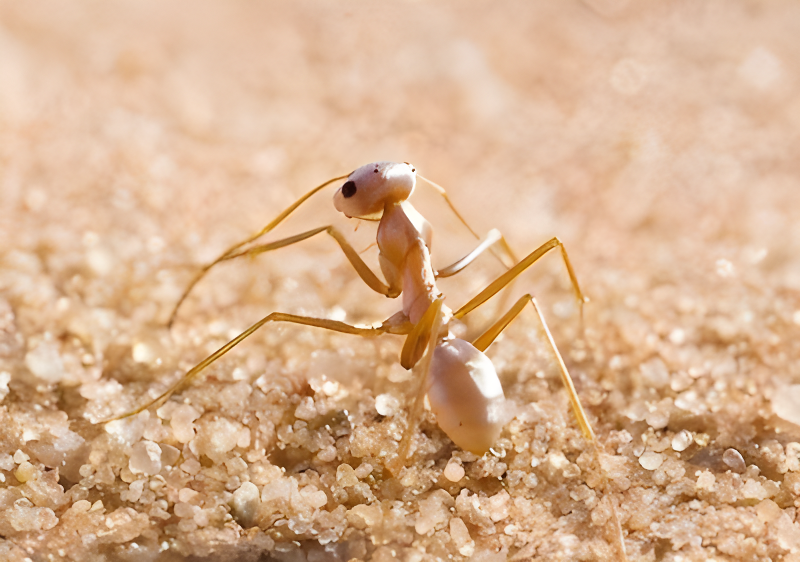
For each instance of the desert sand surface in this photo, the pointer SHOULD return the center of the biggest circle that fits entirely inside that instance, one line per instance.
(658, 140)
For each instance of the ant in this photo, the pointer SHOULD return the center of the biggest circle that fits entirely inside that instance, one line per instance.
(462, 386)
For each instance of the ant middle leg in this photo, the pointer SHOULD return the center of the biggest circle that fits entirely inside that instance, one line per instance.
(390, 326)
(494, 236)
(506, 278)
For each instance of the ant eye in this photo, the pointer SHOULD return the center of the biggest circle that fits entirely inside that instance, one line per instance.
(349, 189)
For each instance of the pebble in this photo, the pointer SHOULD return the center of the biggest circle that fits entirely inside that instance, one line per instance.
(45, 362)
(651, 461)
(705, 480)
(218, 437)
(235, 465)
(143, 353)
(786, 404)
(306, 410)
(433, 512)
(145, 458)
(244, 504)
(387, 405)
(6, 461)
(734, 460)
(654, 373)
(187, 495)
(191, 466)
(682, 440)
(461, 538)
(363, 470)
(26, 519)
(25, 472)
(135, 490)
(768, 511)
(453, 471)
(346, 476)
(753, 490)
(315, 498)
(185, 510)
(182, 423)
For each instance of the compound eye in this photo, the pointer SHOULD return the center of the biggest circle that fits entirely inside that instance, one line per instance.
(349, 189)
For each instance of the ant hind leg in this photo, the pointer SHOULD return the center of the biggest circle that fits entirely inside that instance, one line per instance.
(483, 341)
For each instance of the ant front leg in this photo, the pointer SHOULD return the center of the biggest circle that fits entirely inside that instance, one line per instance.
(230, 251)
(362, 269)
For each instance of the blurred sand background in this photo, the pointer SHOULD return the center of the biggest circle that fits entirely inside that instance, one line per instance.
(139, 139)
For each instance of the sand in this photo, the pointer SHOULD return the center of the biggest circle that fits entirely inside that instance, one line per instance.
(139, 139)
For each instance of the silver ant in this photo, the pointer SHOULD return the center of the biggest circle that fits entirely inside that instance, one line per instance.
(460, 381)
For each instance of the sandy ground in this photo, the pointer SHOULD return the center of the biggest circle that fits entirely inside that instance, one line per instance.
(659, 141)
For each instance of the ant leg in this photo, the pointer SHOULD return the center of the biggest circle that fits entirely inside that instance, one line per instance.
(200, 274)
(333, 325)
(483, 341)
(355, 260)
(506, 248)
(429, 325)
(350, 253)
(492, 237)
(419, 336)
(501, 282)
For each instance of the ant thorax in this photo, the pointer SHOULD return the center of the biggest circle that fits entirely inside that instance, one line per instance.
(404, 239)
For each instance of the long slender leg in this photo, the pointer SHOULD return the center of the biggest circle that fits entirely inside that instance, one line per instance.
(491, 237)
(190, 375)
(503, 244)
(430, 324)
(355, 260)
(501, 282)
(200, 274)
(483, 341)
(418, 337)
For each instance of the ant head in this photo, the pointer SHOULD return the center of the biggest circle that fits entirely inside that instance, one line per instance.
(370, 188)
